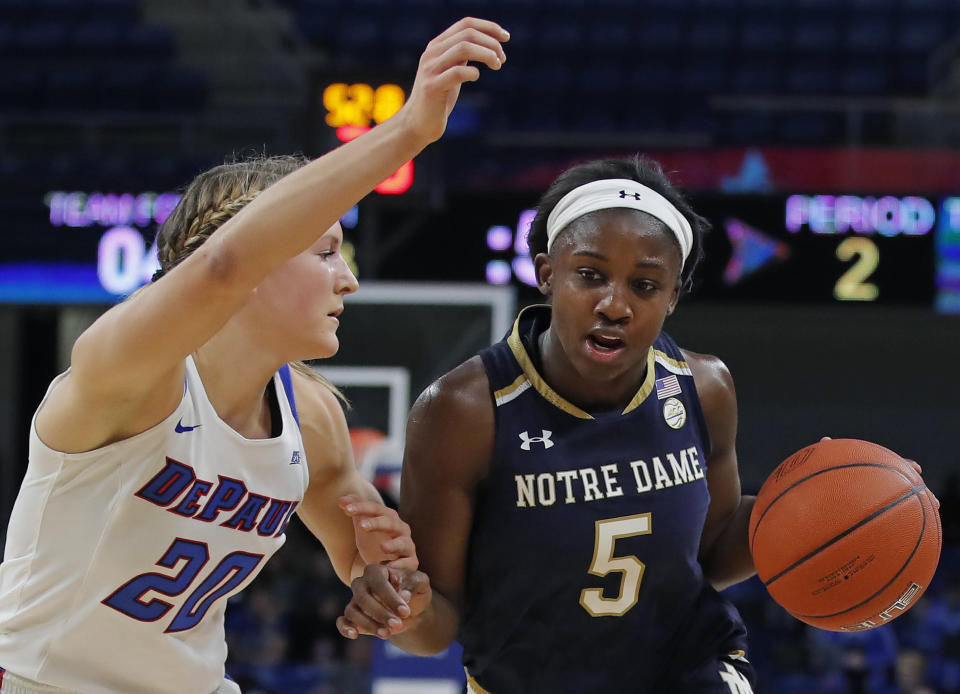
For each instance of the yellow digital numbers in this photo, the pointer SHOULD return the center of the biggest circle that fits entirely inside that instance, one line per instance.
(853, 285)
(361, 105)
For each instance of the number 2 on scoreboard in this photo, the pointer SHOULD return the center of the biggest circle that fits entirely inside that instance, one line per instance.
(607, 532)
(853, 285)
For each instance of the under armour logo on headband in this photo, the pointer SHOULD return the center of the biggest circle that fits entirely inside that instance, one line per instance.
(611, 193)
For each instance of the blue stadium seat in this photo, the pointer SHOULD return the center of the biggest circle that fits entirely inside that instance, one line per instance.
(868, 36)
(561, 37)
(922, 36)
(658, 36)
(95, 38)
(148, 42)
(126, 11)
(606, 37)
(21, 89)
(815, 37)
(714, 35)
(809, 77)
(910, 75)
(809, 128)
(655, 78)
(705, 77)
(71, 89)
(127, 88)
(177, 90)
(881, 6)
(410, 33)
(599, 80)
(41, 40)
(6, 39)
(865, 78)
(762, 37)
(757, 77)
(727, 6)
(747, 128)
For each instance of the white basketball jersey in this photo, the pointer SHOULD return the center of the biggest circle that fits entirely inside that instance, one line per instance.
(119, 561)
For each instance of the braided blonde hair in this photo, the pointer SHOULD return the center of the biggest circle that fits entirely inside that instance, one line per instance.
(213, 198)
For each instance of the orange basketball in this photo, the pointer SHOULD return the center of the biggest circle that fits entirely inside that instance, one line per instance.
(845, 535)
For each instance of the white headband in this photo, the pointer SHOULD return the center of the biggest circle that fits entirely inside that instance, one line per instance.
(618, 192)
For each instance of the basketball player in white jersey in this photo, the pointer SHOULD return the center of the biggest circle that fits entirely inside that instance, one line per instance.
(167, 461)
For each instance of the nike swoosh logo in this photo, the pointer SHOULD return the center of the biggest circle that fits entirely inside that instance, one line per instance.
(180, 429)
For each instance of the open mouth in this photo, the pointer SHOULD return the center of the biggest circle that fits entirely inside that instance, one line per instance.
(605, 345)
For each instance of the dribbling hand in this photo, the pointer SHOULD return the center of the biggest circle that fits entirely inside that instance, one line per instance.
(386, 601)
(914, 463)
(444, 66)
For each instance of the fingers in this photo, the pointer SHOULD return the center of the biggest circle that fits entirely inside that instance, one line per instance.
(354, 505)
(380, 602)
(463, 52)
(399, 547)
(414, 583)
(346, 628)
(469, 37)
(377, 607)
(483, 26)
(409, 562)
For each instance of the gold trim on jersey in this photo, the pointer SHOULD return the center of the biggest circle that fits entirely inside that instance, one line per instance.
(505, 395)
(681, 368)
(472, 686)
(554, 398)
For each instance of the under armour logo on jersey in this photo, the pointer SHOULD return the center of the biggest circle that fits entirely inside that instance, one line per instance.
(527, 439)
(737, 682)
(295, 458)
(624, 194)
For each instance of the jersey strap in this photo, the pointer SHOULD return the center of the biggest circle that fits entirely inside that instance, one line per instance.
(287, 382)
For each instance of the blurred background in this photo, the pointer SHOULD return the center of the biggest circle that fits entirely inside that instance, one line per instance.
(821, 138)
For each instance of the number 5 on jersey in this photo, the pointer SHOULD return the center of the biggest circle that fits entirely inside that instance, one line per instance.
(607, 532)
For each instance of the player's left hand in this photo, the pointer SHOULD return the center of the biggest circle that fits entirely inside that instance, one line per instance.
(381, 536)
(914, 464)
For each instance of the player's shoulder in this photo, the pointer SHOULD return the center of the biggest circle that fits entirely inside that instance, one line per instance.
(711, 375)
(462, 389)
(454, 413)
(320, 410)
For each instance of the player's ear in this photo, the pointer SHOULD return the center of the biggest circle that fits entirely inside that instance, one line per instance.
(674, 298)
(544, 270)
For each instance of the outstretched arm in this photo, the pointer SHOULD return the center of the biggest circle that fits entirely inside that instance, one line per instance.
(450, 439)
(128, 365)
(341, 508)
(724, 547)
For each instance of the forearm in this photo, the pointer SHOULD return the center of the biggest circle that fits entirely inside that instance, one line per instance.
(432, 631)
(728, 560)
(285, 219)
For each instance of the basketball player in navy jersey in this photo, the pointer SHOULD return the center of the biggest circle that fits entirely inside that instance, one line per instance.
(573, 490)
(165, 464)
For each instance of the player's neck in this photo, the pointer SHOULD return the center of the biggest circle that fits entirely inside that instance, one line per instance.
(586, 393)
(235, 379)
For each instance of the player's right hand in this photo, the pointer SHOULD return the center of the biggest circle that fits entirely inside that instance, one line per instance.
(444, 66)
(386, 601)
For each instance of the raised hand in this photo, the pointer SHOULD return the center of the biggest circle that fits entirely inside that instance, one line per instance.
(444, 66)
(381, 536)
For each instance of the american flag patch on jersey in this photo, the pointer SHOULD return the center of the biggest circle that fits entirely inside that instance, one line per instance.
(667, 386)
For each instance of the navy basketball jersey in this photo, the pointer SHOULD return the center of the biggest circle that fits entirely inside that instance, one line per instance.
(582, 571)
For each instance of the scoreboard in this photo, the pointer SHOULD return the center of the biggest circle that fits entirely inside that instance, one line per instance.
(96, 247)
(808, 248)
